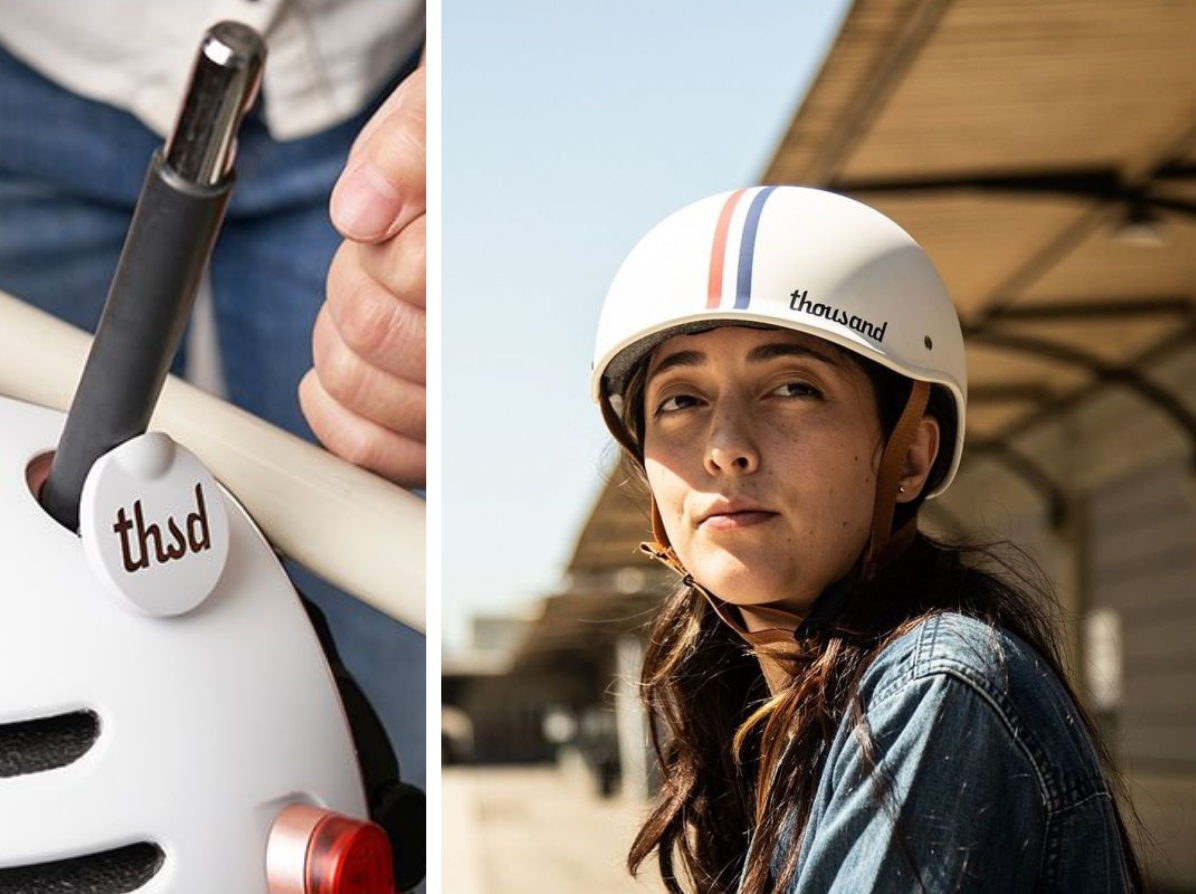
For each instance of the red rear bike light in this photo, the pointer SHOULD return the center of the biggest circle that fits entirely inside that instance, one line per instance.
(316, 851)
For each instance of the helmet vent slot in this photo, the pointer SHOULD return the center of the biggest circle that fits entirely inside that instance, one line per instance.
(47, 743)
(107, 872)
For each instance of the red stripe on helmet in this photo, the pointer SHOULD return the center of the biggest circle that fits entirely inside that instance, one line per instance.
(714, 286)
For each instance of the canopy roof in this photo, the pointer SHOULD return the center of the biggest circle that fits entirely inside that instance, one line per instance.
(1044, 155)
(1032, 149)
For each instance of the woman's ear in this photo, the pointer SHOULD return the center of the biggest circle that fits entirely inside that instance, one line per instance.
(923, 450)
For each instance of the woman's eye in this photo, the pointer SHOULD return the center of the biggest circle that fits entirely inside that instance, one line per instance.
(797, 389)
(676, 402)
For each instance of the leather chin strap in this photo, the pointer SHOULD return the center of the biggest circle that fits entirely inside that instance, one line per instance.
(778, 647)
(885, 544)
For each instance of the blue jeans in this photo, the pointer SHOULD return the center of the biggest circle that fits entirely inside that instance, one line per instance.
(70, 173)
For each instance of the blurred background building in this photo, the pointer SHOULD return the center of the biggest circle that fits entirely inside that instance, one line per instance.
(1044, 154)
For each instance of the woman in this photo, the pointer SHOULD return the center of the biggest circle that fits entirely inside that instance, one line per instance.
(786, 368)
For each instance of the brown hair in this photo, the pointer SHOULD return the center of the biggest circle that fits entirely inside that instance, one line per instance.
(740, 767)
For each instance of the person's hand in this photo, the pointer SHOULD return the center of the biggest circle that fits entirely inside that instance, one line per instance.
(365, 397)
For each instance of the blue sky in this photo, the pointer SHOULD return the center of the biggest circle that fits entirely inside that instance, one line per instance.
(569, 129)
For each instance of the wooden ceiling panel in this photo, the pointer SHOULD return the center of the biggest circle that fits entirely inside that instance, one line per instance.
(864, 47)
(1102, 266)
(1025, 85)
(991, 366)
(1179, 188)
(987, 421)
(1115, 342)
(976, 242)
(614, 528)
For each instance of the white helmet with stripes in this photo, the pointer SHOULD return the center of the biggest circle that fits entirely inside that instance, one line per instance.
(791, 257)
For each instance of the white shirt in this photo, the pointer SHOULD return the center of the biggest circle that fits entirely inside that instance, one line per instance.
(327, 58)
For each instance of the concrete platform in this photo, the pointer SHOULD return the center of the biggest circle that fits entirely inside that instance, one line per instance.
(536, 830)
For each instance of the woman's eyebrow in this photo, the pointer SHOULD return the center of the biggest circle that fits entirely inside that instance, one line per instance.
(681, 358)
(772, 351)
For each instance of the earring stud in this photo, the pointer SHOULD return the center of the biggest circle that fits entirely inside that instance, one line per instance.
(901, 488)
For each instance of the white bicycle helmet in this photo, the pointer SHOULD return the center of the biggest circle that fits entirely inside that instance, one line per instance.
(186, 736)
(793, 258)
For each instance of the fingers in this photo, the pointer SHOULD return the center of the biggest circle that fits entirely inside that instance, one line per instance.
(364, 388)
(400, 263)
(359, 440)
(371, 317)
(365, 398)
(382, 188)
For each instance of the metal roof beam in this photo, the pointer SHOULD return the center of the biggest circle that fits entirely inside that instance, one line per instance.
(1131, 308)
(1130, 377)
(1153, 354)
(1177, 171)
(1102, 184)
(1030, 472)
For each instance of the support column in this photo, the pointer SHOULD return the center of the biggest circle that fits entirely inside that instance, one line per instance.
(635, 760)
(1068, 544)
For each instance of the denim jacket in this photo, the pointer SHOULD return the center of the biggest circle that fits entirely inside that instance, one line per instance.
(996, 783)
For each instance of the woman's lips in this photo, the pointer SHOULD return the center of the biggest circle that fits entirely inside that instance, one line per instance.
(734, 520)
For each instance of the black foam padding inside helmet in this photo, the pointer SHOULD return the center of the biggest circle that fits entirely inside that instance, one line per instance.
(398, 807)
(401, 810)
(114, 871)
(34, 746)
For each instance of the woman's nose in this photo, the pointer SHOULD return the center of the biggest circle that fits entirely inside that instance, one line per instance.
(731, 449)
